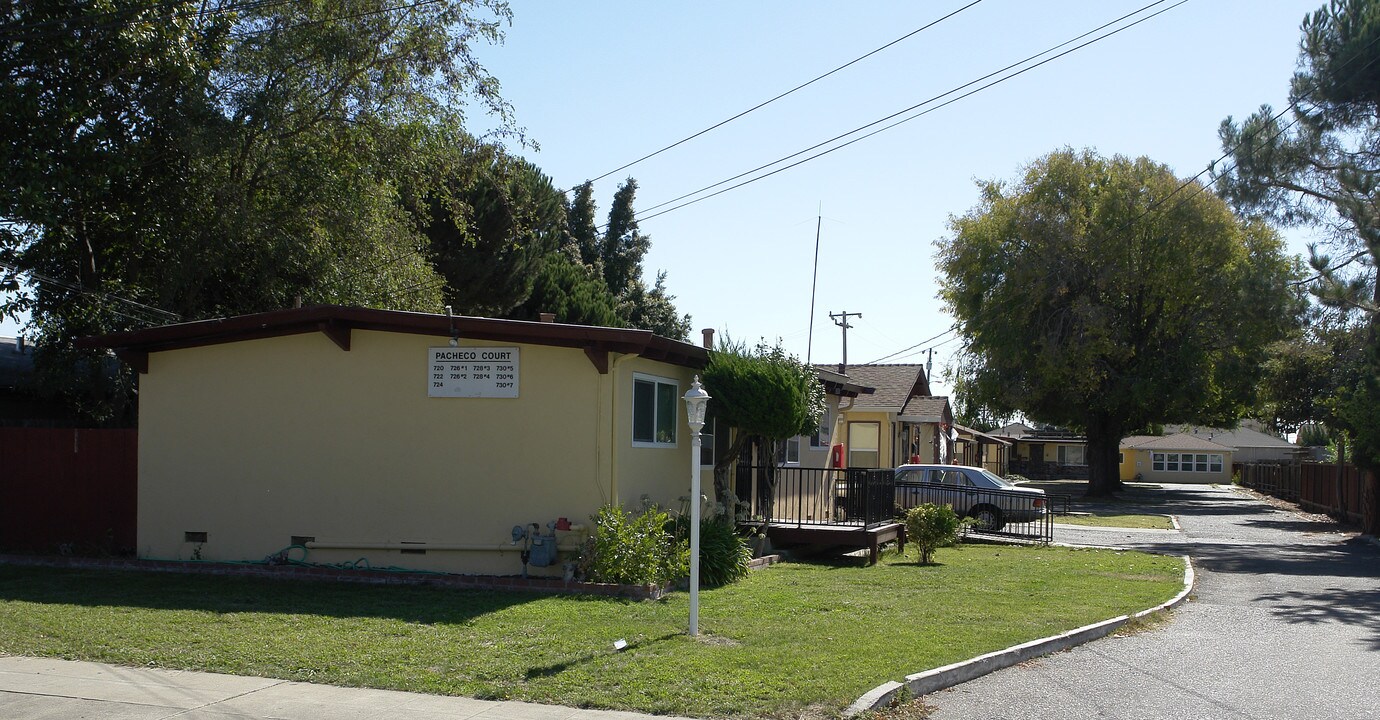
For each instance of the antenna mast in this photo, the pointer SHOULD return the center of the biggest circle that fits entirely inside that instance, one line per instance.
(814, 282)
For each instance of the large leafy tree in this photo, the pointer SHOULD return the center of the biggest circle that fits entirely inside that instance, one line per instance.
(208, 158)
(1322, 168)
(1090, 294)
(763, 393)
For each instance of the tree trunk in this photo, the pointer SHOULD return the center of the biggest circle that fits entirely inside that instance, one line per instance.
(766, 479)
(1104, 470)
(723, 463)
(1370, 480)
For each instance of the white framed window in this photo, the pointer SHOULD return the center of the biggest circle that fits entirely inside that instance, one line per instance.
(864, 444)
(1187, 462)
(790, 451)
(655, 406)
(1072, 455)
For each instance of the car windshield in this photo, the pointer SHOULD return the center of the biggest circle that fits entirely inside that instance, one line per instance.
(1000, 481)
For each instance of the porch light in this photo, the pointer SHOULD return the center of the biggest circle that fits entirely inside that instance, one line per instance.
(696, 400)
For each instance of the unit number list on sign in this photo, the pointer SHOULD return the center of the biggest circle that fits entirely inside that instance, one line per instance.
(473, 372)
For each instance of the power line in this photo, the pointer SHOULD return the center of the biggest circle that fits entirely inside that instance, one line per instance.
(916, 106)
(77, 288)
(788, 92)
(912, 347)
(1151, 208)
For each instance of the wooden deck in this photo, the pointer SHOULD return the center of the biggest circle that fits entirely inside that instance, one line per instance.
(838, 535)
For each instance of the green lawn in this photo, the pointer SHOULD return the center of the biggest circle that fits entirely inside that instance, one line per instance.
(1152, 522)
(789, 637)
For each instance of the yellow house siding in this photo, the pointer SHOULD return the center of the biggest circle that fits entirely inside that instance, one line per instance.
(1141, 462)
(256, 441)
(1129, 463)
(884, 439)
(662, 473)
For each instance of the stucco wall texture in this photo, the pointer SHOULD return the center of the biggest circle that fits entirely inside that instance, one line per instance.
(257, 441)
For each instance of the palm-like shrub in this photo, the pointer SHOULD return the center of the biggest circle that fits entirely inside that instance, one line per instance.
(724, 556)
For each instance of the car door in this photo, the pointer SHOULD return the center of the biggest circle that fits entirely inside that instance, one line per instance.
(910, 487)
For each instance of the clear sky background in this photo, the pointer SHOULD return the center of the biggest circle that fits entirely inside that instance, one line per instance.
(599, 84)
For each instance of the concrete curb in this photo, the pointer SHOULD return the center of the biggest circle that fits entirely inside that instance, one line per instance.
(961, 672)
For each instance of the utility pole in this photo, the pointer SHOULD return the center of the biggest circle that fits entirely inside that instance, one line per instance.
(841, 319)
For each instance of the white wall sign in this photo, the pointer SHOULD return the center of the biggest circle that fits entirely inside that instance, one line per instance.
(473, 372)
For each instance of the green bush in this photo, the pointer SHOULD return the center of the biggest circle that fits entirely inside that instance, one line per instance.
(724, 556)
(634, 549)
(931, 527)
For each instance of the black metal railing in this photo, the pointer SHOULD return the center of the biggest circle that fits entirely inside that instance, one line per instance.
(1036, 470)
(818, 496)
(1008, 513)
(864, 497)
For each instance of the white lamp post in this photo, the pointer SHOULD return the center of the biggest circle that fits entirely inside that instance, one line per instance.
(695, 401)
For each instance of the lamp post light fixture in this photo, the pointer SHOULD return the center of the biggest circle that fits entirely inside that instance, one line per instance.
(695, 401)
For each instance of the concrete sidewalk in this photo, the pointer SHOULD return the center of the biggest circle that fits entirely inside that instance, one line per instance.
(38, 689)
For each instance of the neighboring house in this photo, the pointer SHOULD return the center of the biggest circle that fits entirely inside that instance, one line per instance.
(803, 456)
(984, 450)
(1047, 452)
(403, 439)
(20, 402)
(1251, 444)
(899, 422)
(816, 451)
(1177, 458)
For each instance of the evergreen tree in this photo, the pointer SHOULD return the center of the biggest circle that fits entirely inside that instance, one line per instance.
(1323, 169)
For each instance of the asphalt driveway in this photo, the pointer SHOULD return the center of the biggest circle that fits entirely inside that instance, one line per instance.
(1284, 623)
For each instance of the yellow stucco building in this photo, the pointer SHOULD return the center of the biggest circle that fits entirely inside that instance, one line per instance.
(370, 434)
(1178, 458)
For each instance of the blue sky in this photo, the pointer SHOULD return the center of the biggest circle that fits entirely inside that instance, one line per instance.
(598, 84)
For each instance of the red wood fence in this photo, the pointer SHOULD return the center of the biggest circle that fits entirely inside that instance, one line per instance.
(68, 490)
(1314, 486)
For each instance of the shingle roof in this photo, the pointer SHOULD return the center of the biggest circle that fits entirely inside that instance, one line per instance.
(1239, 438)
(1177, 441)
(895, 384)
(15, 365)
(925, 409)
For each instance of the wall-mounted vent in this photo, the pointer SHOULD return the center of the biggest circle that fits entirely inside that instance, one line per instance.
(194, 537)
(413, 551)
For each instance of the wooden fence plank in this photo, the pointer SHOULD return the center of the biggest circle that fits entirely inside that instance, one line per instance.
(68, 490)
